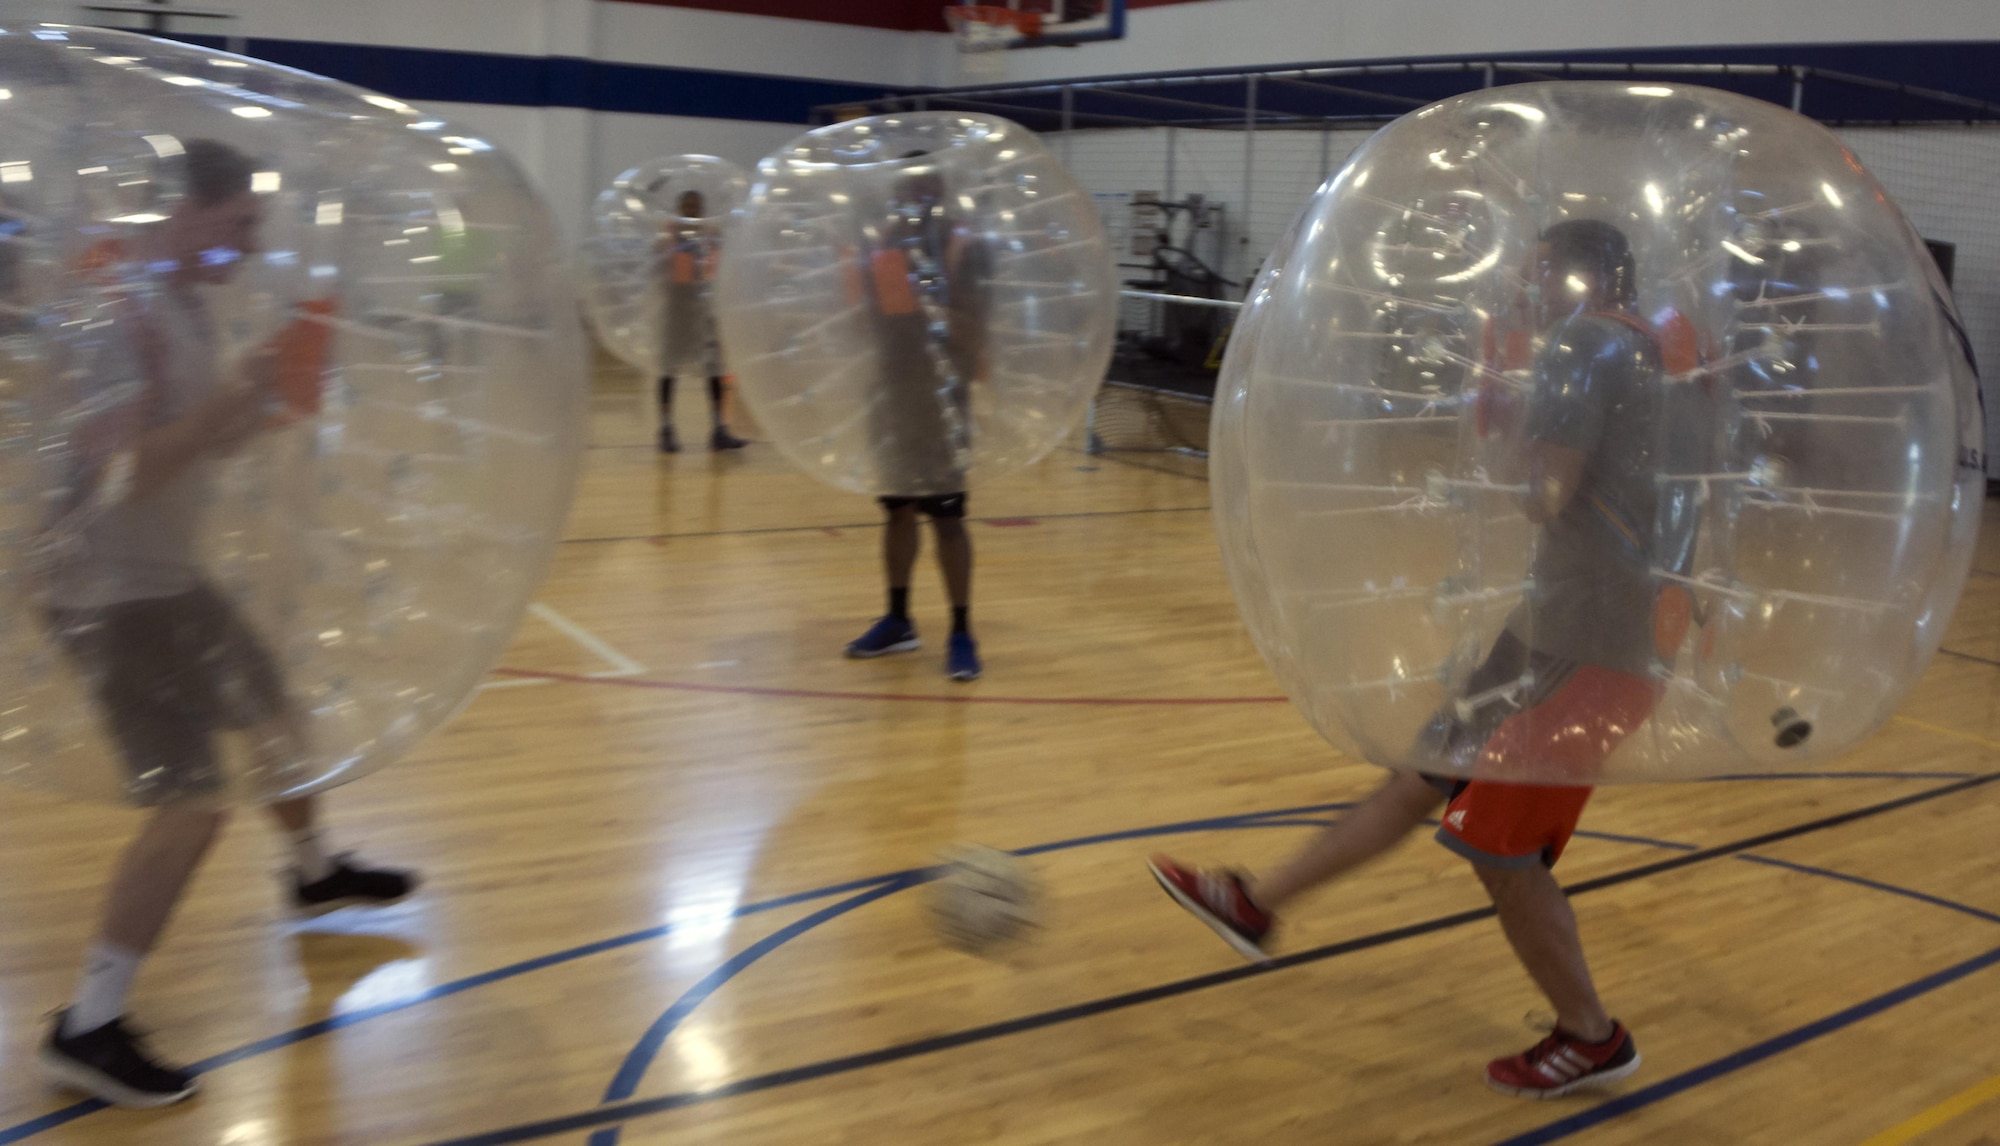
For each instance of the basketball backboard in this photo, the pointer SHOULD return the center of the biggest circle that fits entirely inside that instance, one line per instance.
(1063, 22)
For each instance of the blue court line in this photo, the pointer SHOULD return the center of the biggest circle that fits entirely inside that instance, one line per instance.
(1892, 889)
(1969, 657)
(313, 1030)
(640, 1058)
(1641, 841)
(60, 1117)
(1779, 1044)
(610, 1117)
(1837, 776)
(626, 1111)
(65, 1115)
(1751, 1055)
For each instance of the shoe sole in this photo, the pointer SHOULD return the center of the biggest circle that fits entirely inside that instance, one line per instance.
(74, 1075)
(963, 674)
(1588, 1081)
(909, 646)
(1200, 911)
(315, 910)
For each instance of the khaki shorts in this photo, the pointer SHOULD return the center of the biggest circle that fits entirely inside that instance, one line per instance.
(169, 673)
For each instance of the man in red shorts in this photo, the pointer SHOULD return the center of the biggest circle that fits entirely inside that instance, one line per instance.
(1569, 678)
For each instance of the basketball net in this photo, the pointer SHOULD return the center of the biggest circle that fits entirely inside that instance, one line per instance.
(984, 33)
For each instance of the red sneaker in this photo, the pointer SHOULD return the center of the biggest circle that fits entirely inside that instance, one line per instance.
(1217, 899)
(1562, 1063)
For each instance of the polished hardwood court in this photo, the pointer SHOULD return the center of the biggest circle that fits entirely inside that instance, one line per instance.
(674, 892)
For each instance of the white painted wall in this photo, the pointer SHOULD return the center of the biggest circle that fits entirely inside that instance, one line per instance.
(766, 45)
(571, 154)
(1227, 33)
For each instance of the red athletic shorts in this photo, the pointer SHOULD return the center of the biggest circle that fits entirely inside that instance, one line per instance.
(1576, 715)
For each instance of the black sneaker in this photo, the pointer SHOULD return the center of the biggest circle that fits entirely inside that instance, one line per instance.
(112, 1064)
(722, 439)
(670, 442)
(350, 886)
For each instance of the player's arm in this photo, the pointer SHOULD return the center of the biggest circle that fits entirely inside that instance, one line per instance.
(1553, 474)
(132, 457)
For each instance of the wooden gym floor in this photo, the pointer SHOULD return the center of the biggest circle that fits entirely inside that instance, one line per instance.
(669, 856)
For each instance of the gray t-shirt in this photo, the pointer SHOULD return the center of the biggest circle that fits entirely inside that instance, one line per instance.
(689, 334)
(1597, 389)
(145, 546)
(931, 304)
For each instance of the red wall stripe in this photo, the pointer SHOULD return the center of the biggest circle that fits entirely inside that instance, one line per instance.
(898, 15)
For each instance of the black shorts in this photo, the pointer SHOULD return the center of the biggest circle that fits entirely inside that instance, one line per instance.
(947, 506)
(170, 672)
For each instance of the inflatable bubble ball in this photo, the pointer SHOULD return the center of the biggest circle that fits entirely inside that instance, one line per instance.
(292, 395)
(648, 264)
(1583, 432)
(914, 304)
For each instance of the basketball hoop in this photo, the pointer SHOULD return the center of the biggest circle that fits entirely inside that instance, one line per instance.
(985, 31)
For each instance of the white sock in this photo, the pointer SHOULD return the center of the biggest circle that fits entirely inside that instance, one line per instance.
(309, 855)
(107, 978)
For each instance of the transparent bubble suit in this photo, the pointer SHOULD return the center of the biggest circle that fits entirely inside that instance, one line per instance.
(1759, 373)
(648, 264)
(350, 319)
(914, 324)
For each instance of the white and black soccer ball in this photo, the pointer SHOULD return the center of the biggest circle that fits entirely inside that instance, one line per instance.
(983, 899)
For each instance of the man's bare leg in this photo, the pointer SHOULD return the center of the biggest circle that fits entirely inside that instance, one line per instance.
(154, 871)
(1240, 908)
(152, 875)
(1367, 830)
(1541, 926)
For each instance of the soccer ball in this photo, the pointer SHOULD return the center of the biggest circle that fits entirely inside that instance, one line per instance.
(983, 899)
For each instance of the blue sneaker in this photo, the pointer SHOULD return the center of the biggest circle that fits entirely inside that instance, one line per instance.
(961, 661)
(887, 635)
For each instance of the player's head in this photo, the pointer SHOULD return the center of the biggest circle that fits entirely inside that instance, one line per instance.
(214, 226)
(920, 188)
(1584, 264)
(691, 206)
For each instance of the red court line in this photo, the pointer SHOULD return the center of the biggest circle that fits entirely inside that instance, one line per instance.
(824, 694)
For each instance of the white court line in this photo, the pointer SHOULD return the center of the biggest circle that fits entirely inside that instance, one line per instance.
(621, 665)
(514, 682)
